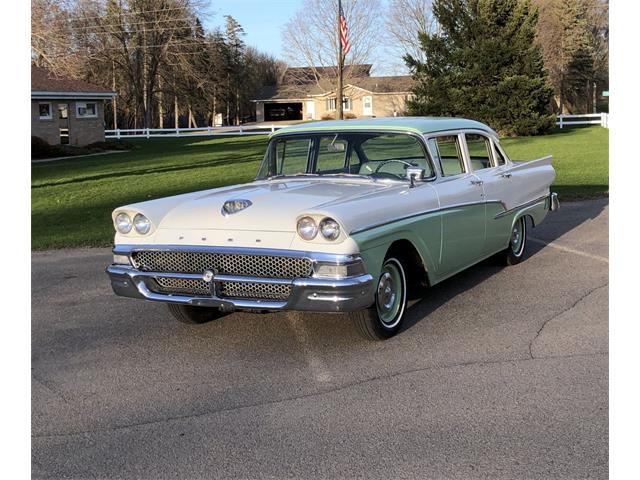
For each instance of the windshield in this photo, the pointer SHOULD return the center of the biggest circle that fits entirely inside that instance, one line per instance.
(375, 155)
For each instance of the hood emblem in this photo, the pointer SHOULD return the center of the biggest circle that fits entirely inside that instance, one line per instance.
(235, 206)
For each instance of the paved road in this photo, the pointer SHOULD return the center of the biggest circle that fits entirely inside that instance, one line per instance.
(502, 373)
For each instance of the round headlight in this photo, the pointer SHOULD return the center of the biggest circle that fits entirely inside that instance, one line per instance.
(329, 229)
(141, 223)
(307, 228)
(123, 223)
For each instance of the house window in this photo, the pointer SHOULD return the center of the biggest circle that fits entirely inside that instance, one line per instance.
(86, 109)
(331, 104)
(45, 111)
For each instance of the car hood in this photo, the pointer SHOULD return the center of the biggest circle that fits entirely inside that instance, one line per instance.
(275, 205)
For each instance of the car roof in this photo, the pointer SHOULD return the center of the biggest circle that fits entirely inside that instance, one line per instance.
(408, 124)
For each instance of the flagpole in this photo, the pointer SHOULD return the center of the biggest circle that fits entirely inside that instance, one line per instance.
(340, 67)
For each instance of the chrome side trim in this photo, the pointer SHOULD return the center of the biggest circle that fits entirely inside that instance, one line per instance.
(424, 212)
(519, 207)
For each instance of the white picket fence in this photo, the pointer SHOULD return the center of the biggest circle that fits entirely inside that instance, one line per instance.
(562, 121)
(190, 132)
(601, 119)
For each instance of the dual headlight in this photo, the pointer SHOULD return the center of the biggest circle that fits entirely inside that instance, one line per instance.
(328, 228)
(140, 223)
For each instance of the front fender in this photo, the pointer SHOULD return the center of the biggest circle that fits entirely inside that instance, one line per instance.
(424, 233)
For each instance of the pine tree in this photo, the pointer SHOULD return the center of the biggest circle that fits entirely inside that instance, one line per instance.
(484, 64)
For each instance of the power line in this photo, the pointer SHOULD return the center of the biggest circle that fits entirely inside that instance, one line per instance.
(149, 30)
(155, 21)
(129, 12)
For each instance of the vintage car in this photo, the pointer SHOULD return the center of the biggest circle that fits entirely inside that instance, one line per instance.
(343, 216)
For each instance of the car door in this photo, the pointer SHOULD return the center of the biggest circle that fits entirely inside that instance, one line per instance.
(491, 168)
(462, 208)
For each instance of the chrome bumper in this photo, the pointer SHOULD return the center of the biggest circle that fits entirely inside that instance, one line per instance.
(554, 203)
(307, 294)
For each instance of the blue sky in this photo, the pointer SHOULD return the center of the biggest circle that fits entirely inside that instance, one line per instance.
(262, 20)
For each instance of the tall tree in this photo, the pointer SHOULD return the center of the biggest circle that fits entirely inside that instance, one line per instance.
(52, 43)
(484, 64)
(574, 39)
(235, 54)
(406, 19)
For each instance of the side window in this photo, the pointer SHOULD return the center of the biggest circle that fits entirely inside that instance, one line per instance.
(391, 153)
(292, 156)
(331, 155)
(479, 148)
(446, 152)
(500, 160)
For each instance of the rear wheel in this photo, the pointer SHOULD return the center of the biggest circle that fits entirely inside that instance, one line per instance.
(385, 317)
(193, 315)
(514, 253)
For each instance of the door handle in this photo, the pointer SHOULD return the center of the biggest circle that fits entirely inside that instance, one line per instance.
(506, 175)
(476, 182)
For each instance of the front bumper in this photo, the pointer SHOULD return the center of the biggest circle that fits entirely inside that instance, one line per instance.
(307, 294)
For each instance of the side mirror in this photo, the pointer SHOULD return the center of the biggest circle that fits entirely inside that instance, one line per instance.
(414, 173)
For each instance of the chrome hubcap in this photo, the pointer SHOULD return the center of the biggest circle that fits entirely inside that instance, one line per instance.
(389, 295)
(517, 237)
(386, 294)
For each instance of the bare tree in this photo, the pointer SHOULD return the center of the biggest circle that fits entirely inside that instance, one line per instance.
(52, 43)
(405, 21)
(310, 37)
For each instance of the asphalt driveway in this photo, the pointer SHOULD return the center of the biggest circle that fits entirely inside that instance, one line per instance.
(501, 373)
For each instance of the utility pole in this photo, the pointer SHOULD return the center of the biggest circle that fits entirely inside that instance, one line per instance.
(339, 115)
(114, 105)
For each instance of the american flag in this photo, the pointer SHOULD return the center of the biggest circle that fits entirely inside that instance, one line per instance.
(344, 33)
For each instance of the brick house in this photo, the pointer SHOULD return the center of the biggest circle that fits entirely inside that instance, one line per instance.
(65, 110)
(309, 94)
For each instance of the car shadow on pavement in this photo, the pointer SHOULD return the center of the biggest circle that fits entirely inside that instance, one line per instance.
(570, 216)
(555, 225)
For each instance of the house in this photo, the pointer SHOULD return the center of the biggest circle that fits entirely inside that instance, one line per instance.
(309, 93)
(65, 110)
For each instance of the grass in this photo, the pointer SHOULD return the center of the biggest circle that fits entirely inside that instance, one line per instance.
(72, 200)
(580, 157)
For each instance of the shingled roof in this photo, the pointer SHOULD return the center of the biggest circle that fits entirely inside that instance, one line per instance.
(45, 83)
(305, 75)
(392, 84)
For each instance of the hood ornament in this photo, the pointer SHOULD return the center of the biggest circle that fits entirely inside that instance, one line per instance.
(234, 206)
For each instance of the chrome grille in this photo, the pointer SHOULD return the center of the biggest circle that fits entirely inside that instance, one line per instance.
(183, 286)
(266, 291)
(223, 263)
(196, 287)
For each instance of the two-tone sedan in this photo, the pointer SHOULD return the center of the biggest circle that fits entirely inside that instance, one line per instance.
(343, 216)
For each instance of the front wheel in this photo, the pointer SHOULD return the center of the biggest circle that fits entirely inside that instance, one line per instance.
(514, 253)
(385, 317)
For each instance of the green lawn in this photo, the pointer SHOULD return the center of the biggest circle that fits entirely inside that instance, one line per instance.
(71, 200)
(580, 157)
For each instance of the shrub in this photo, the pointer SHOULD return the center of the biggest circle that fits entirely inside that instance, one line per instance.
(332, 116)
(39, 147)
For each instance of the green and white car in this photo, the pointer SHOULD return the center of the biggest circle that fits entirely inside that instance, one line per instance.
(343, 216)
